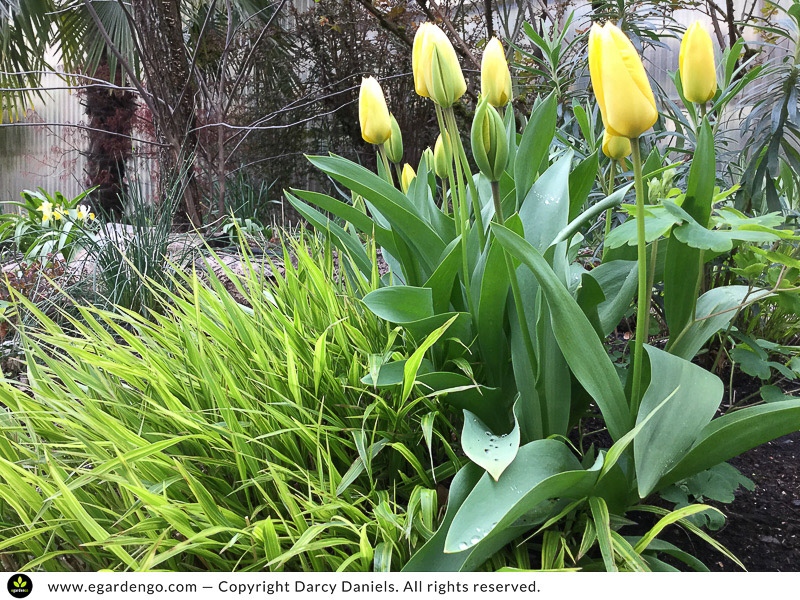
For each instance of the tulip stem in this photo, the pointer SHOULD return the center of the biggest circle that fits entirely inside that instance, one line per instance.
(473, 192)
(515, 291)
(459, 207)
(445, 208)
(643, 296)
(609, 211)
(386, 168)
(399, 172)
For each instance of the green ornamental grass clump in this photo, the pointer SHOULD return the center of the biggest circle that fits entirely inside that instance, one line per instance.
(219, 435)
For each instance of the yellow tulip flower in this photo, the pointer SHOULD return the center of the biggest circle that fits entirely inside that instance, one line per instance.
(616, 147)
(437, 72)
(376, 125)
(696, 65)
(419, 49)
(620, 83)
(495, 76)
(408, 176)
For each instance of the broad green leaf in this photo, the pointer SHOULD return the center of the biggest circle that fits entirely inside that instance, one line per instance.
(441, 281)
(534, 145)
(392, 204)
(401, 304)
(582, 349)
(715, 309)
(344, 241)
(432, 557)
(657, 223)
(617, 279)
(684, 262)
(490, 289)
(461, 329)
(542, 470)
(488, 450)
(350, 214)
(581, 181)
(545, 210)
(735, 433)
(664, 440)
(554, 384)
(463, 393)
(715, 240)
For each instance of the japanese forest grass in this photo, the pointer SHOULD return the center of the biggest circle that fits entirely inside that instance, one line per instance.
(218, 435)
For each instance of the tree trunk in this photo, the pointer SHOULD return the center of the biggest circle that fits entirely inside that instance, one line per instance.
(166, 68)
(111, 111)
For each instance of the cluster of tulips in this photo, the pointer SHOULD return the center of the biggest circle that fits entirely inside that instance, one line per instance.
(626, 103)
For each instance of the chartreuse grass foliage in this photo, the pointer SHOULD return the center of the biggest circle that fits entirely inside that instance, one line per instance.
(218, 435)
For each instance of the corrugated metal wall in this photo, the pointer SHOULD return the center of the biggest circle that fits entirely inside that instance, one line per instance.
(34, 156)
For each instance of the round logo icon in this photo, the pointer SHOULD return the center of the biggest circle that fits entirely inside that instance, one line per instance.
(20, 585)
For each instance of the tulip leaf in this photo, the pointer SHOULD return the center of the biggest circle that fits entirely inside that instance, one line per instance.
(490, 289)
(735, 433)
(347, 243)
(582, 349)
(461, 329)
(684, 266)
(441, 281)
(401, 303)
(529, 410)
(581, 182)
(486, 449)
(545, 210)
(534, 145)
(554, 385)
(350, 214)
(432, 557)
(395, 248)
(694, 396)
(617, 280)
(395, 207)
(715, 309)
(463, 393)
(543, 470)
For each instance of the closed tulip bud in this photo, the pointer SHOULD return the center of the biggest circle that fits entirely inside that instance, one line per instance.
(420, 56)
(495, 76)
(616, 147)
(442, 156)
(427, 157)
(620, 83)
(437, 72)
(376, 125)
(696, 65)
(408, 176)
(394, 145)
(489, 143)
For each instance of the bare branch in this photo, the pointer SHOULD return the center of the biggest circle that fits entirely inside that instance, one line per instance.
(86, 128)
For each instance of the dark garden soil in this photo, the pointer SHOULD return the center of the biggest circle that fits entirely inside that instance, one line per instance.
(763, 526)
